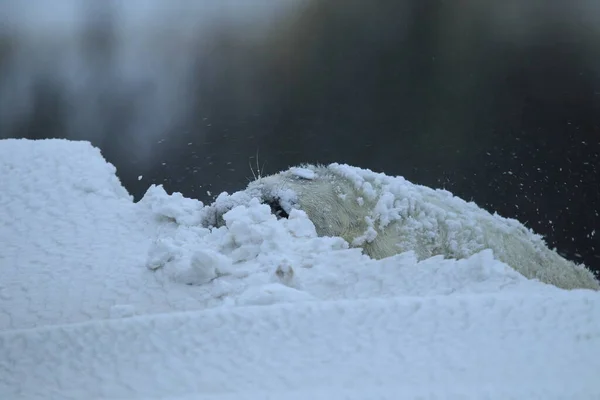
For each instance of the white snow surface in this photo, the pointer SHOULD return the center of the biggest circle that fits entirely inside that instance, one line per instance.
(104, 298)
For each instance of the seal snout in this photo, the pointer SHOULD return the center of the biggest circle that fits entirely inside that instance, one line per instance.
(276, 208)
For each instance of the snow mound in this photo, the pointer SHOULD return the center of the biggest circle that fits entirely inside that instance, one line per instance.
(72, 242)
(101, 297)
(254, 249)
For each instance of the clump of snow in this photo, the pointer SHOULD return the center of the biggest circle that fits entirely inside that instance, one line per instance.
(180, 209)
(101, 297)
(304, 173)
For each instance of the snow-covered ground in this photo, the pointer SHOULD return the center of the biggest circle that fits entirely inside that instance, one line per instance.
(104, 298)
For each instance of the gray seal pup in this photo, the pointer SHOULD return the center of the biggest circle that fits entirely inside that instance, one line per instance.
(387, 215)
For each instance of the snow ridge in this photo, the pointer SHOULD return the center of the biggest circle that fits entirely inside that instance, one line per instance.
(477, 345)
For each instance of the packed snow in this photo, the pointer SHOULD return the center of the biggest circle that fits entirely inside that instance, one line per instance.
(105, 298)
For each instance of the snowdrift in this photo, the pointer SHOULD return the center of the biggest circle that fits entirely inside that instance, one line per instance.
(101, 297)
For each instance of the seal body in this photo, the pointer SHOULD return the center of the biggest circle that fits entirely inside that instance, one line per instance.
(388, 215)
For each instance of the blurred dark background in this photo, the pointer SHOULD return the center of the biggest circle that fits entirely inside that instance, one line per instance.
(497, 101)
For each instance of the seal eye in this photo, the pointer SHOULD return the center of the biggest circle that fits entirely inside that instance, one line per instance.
(276, 209)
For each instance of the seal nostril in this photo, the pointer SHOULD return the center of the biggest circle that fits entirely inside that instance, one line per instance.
(276, 209)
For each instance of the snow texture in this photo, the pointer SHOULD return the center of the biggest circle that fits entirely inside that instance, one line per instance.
(104, 298)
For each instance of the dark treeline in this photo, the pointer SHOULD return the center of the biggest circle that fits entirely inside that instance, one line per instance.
(498, 102)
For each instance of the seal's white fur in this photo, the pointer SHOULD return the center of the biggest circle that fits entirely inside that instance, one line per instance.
(388, 215)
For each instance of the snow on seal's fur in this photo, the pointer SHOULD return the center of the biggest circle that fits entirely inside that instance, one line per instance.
(389, 215)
